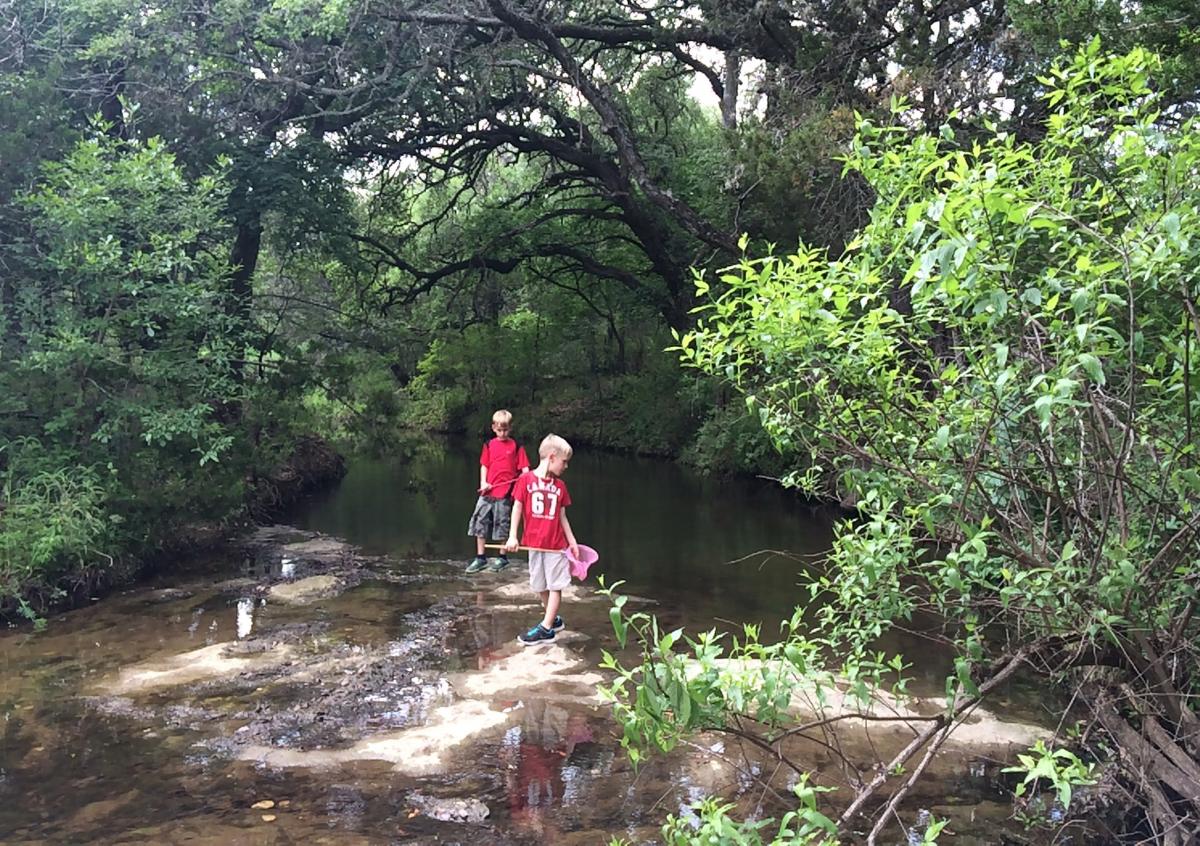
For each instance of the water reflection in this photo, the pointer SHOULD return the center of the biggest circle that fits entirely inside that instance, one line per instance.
(545, 773)
(245, 617)
(488, 632)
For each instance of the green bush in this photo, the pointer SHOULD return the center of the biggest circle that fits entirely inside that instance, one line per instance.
(55, 522)
(1000, 370)
(123, 377)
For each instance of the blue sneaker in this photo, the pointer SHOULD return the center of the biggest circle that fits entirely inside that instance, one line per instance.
(538, 634)
(477, 563)
(498, 564)
(558, 625)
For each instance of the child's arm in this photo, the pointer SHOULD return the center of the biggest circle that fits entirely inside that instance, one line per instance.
(511, 544)
(484, 487)
(566, 524)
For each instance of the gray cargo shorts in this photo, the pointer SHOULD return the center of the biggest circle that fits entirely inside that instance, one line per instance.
(491, 519)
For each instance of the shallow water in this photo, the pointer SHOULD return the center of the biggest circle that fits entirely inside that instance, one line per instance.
(408, 642)
(700, 546)
(711, 552)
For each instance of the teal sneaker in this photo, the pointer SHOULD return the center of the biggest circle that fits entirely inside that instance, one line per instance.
(558, 625)
(498, 564)
(538, 634)
(477, 563)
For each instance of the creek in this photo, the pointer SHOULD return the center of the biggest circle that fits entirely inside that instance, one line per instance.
(666, 532)
(343, 681)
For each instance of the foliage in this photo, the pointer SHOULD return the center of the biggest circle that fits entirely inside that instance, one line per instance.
(55, 522)
(730, 440)
(710, 822)
(356, 401)
(411, 187)
(1061, 769)
(1034, 276)
(135, 299)
(998, 370)
(790, 162)
(1169, 28)
(555, 376)
(123, 354)
(714, 685)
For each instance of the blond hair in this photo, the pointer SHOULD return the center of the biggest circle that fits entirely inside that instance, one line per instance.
(502, 415)
(553, 443)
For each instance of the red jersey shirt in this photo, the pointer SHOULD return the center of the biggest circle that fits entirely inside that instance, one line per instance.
(504, 460)
(542, 500)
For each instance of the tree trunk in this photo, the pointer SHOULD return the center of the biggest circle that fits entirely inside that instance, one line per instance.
(244, 258)
(111, 111)
(729, 99)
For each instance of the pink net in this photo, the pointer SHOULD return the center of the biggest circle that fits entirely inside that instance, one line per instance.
(579, 566)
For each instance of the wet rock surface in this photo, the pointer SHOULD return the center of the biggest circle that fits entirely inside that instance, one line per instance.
(450, 810)
(394, 706)
(295, 684)
(167, 595)
(331, 697)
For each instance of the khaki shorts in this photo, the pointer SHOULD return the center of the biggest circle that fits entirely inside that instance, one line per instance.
(548, 571)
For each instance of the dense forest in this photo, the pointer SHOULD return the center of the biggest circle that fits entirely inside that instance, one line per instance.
(936, 260)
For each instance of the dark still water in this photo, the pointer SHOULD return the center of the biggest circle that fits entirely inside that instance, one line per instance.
(705, 549)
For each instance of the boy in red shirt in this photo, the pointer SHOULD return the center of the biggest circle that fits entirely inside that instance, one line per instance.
(500, 463)
(540, 499)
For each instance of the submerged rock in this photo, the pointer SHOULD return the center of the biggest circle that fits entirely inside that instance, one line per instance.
(198, 665)
(306, 590)
(450, 810)
(168, 595)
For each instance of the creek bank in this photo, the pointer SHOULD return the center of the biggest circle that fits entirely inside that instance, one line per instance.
(312, 465)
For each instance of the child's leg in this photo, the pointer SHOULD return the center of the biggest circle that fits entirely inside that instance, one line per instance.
(478, 527)
(551, 599)
(479, 562)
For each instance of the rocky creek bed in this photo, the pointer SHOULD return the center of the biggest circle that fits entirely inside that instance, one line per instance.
(316, 694)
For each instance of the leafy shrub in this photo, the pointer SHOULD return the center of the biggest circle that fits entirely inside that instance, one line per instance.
(125, 344)
(730, 440)
(54, 522)
(1000, 370)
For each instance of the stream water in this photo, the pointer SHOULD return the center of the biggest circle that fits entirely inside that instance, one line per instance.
(210, 706)
(701, 547)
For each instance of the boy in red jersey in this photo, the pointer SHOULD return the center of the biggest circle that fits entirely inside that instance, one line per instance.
(540, 499)
(500, 463)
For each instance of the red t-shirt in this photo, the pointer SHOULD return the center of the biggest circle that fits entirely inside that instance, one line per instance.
(542, 500)
(504, 460)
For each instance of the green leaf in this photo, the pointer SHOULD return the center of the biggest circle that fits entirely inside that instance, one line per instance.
(1091, 366)
(618, 624)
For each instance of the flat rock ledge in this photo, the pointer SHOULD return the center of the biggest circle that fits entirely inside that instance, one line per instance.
(304, 591)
